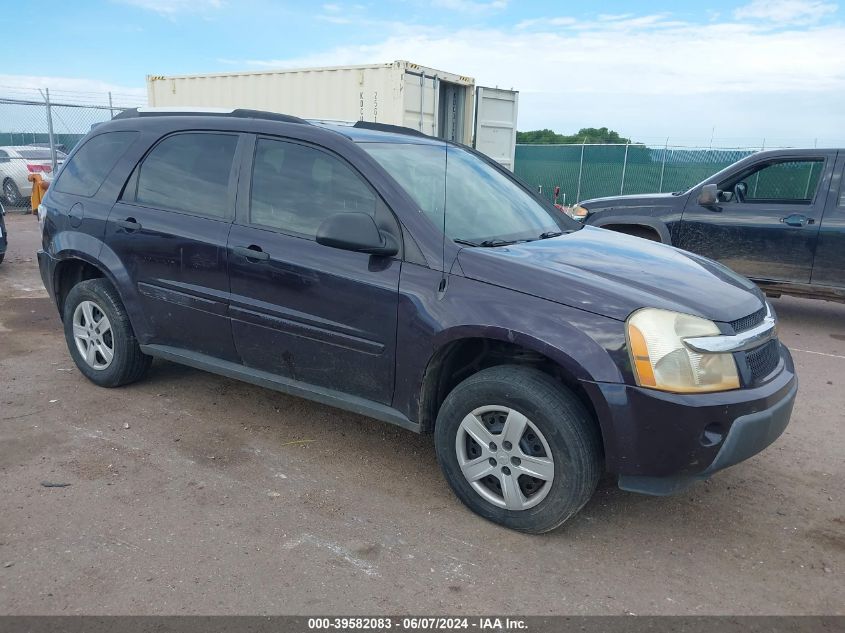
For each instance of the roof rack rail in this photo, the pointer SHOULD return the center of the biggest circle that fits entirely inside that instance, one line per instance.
(385, 127)
(198, 111)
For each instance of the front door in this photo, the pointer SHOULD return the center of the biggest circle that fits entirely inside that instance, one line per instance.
(829, 267)
(312, 313)
(169, 230)
(766, 221)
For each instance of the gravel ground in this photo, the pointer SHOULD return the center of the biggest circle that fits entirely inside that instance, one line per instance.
(191, 493)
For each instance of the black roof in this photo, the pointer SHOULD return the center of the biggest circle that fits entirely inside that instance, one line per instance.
(360, 131)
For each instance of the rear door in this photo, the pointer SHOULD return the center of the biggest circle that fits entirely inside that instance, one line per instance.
(766, 222)
(312, 313)
(829, 266)
(496, 113)
(169, 230)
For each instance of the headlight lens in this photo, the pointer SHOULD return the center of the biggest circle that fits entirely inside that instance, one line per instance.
(578, 213)
(662, 361)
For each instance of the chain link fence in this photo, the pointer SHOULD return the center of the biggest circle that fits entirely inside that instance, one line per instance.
(38, 131)
(592, 171)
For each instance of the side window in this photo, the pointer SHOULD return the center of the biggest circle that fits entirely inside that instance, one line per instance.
(187, 172)
(84, 174)
(295, 188)
(842, 190)
(786, 182)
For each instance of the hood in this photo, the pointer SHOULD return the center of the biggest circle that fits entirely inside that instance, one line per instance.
(649, 200)
(613, 274)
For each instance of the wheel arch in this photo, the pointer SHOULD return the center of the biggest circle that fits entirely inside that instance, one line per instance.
(464, 352)
(84, 257)
(641, 222)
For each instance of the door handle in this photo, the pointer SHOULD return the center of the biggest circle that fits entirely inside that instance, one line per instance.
(130, 224)
(252, 253)
(797, 219)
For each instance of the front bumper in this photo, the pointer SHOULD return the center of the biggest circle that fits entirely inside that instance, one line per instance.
(660, 443)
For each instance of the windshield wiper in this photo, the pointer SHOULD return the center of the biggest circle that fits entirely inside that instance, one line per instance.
(498, 242)
(548, 234)
(486, 243)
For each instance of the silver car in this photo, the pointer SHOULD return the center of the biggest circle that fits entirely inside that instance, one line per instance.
(17, 162)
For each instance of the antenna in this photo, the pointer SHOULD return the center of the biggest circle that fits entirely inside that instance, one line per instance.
(442, 287)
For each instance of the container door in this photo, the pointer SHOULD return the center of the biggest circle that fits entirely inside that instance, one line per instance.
(419, 107)
(495, 124)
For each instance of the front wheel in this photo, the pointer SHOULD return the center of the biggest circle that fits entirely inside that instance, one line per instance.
(518, 448)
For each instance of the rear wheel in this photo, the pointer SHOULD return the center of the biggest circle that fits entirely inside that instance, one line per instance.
(518, 448)
(12, 193)
(100, 337)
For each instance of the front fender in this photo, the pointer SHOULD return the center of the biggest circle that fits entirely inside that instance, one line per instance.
(587, 347)
(579, 355)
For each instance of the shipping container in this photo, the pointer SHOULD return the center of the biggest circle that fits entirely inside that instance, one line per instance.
(437, 103)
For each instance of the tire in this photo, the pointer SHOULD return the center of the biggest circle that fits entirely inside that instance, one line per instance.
(87, 304)
(556, 423)
(12, 193)
(2, 257)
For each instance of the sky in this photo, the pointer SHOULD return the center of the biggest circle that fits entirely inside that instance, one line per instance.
(739, 73)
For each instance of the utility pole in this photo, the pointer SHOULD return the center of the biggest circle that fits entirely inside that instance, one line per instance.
(46, 96)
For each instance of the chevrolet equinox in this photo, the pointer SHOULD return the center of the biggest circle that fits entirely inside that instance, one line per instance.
(416, 281)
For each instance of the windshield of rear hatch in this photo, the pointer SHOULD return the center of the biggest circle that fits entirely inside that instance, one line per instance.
(477, 201)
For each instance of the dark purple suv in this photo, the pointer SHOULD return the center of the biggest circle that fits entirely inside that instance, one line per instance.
(415, 281)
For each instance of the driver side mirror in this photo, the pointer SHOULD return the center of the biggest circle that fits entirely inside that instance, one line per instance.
(708, 196)
(356, 232)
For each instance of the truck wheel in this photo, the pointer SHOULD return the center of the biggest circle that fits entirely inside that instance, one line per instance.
(100, 337)
(518, 448)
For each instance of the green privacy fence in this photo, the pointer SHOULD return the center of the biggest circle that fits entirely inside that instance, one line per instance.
(25, 121)
(592, 171)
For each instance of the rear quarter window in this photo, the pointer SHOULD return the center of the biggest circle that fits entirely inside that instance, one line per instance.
(85, 172)
(35, 154)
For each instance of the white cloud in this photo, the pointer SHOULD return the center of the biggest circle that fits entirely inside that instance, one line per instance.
(786, 12)
(471, 6)
(651, 75)
(546, 22)
(170, 8)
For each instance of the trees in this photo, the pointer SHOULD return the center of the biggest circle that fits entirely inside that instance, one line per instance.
(584, 135)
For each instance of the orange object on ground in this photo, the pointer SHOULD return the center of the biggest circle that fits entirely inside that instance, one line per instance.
(39, 188)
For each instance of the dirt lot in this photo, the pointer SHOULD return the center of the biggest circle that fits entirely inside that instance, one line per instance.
(221, 497)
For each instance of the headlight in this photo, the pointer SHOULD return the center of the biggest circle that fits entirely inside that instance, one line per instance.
(577, 213)
(662, 361)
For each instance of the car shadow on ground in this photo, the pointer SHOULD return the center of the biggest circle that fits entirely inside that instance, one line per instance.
(406, 455)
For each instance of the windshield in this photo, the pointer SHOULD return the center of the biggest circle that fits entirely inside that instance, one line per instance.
(482, 206)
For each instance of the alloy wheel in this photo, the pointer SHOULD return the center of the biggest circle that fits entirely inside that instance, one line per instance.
(93, 335)
(504, 457)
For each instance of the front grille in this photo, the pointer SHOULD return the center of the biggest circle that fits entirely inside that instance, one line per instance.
(763, 360)
(748, 322)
